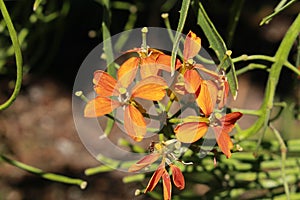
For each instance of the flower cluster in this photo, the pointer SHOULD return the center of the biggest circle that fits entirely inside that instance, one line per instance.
(139, 77)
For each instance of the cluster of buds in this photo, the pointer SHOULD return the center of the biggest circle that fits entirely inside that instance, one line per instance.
(139, 77)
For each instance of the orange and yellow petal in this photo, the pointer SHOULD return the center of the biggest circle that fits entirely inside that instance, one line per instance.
(192, 46)
(207, 97)
(190, 132)
(148, 67)
(151, 88)
(134, 123)
(223, 140)
(144, 162)
(100, 106)
(127, 71)
(192, 81)
(163, 62)
(208, 72)
(155, 178)
(178, 178)
(167, 186)
(104, 84)
(222, 132)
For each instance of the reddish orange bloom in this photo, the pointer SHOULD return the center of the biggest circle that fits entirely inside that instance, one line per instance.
(150, 62)
(193, 130)
(113, 93)
(161, 172)
(192, 79)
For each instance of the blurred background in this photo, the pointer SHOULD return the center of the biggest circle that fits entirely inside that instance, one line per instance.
(38, 128)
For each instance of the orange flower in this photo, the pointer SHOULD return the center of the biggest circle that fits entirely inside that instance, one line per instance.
(161, 172)
(150, 61)
(113, 93)
(192, 80)
(195, 127)
(192, 46)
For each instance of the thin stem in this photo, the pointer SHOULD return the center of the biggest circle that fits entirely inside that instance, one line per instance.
(18, 56)
(283, 159)
(247, 111)
(281, 58)
(250, 67)
(50, 176)
(277, 10)
(144, 39)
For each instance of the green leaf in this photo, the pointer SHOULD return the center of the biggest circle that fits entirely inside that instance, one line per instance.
(217, 44)
(183, 14)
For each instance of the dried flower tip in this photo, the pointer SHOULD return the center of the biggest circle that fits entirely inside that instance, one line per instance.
(83, 185)
(137, 192)
(165, 15)
(133, 9)
(144, 30)
(228, 52)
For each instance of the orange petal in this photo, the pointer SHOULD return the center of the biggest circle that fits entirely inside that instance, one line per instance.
(100, 106)
(127, 71)
(223, 94)
(192, 45)
(167, 187)
(144, 162)
(151, 88)
(134, 123)
(192, 81)
(223, 140)
(178, 178)
(163, 62)
(155, 178)
(231, 118)
(211, 73)
(190, 132)
(207, 97)
(148, 67)
(105, 84)
(222, 132)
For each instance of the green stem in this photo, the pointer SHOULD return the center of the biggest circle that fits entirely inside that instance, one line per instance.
(277, 10)
(50, 176)
(18, 56)
(280, 57)
(266, 58)
(283, 159)
(250, 67)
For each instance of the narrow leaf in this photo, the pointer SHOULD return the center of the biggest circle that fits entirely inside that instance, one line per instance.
(218, 45)
(183, 14)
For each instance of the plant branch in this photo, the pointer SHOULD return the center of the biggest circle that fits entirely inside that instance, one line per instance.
(18, 56)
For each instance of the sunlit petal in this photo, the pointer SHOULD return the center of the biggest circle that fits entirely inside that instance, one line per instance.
(167, 186)
(105, 84)
(192, 81)
(223, 94)
(144, 162)
(127, 71)
(155, 178)
(223, 139)
(190, 132)
(222, 132)
(163, 62)
(192, 45)
(208, 72)
(178, 178)
(207, 97)
(100, 106)
(151, 88)
(148, 67)
(134, 123)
